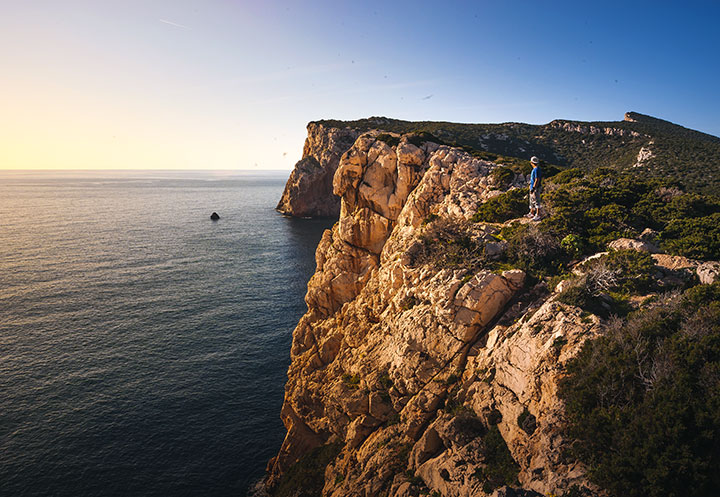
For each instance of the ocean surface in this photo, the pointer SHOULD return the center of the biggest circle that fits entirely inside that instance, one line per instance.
(143, 347)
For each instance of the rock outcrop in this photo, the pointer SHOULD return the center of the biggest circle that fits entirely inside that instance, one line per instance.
(708, 272)
(308, 192)
(408, 367)
(632, 244)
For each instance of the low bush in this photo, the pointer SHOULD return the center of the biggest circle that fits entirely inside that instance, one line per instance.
(421, 137)
(502, 177)
(306, 477)
(695, 237)
(506, 206)
(351, 381)
(604, 205)
(643, 400)
(608, 281)
(531, 249)
(601, 305)
(573, 245)
(391, 140)
(564, 177)
(448, 243)
(500, 468)
(634, 270)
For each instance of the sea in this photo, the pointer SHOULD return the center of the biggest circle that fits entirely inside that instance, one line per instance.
(143, 347)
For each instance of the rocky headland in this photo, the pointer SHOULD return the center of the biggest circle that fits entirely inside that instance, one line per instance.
(308, 191)
(427, 363)
(643, 144)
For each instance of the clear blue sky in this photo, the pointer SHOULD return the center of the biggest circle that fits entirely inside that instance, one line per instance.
(220, 84)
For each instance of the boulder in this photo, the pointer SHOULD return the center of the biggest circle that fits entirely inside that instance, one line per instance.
(708, 272)
(650, 235)
(674, 262)
(632, 244)
(494, 250)
(214, 216)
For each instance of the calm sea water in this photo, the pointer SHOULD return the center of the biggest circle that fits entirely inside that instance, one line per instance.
(143, 347)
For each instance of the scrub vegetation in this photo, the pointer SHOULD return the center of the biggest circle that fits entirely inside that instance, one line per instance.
(691, 157)
(643, 400)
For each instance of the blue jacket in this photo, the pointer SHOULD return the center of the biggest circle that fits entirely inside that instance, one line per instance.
(536, 173)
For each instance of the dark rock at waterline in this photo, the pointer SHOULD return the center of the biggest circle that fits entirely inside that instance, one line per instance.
(214, 216)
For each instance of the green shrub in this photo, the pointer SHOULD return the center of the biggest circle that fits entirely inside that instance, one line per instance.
(352, 381)
(452, 379)
(500, 467)
(579, 296)
(420, 138)
(564, 177)
(506, 206)
(607, 223)
(391, 140)
(409, 302)
(695, 237)
(634, 270)
(603, 305)
(385, 381)
(573, 245)
(430, 219)
(306, 477)
(608, 280)
(447, 243)
(502, 176)
(531, 249)
(604, 205)
(643, 400)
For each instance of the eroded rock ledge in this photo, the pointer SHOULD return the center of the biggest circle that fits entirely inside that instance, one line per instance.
(386, 345)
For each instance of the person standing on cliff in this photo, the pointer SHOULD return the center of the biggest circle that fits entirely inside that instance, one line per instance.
(535, 189)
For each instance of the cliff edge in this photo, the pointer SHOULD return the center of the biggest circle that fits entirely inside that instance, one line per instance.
(308, 191)
(434, 357)
(404, 368)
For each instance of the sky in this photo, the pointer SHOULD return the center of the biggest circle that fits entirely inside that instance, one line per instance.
(230, 85)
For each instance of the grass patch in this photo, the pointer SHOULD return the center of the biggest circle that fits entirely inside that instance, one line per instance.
(352, 381)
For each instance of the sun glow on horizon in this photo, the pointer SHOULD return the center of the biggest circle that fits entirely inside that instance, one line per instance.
(231, 85)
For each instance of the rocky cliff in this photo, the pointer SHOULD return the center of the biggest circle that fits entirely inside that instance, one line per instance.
(308, 192)
(423, 378)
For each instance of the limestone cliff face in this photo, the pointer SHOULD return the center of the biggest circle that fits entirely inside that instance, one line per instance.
(308, 192)
(408, 367)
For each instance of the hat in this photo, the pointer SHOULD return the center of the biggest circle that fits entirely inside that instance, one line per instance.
(535, 160)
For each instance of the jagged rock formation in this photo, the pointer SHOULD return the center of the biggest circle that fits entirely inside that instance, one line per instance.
(308, 192)
(409, 368)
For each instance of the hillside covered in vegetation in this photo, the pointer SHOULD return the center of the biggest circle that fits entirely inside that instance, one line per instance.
(639, 142)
